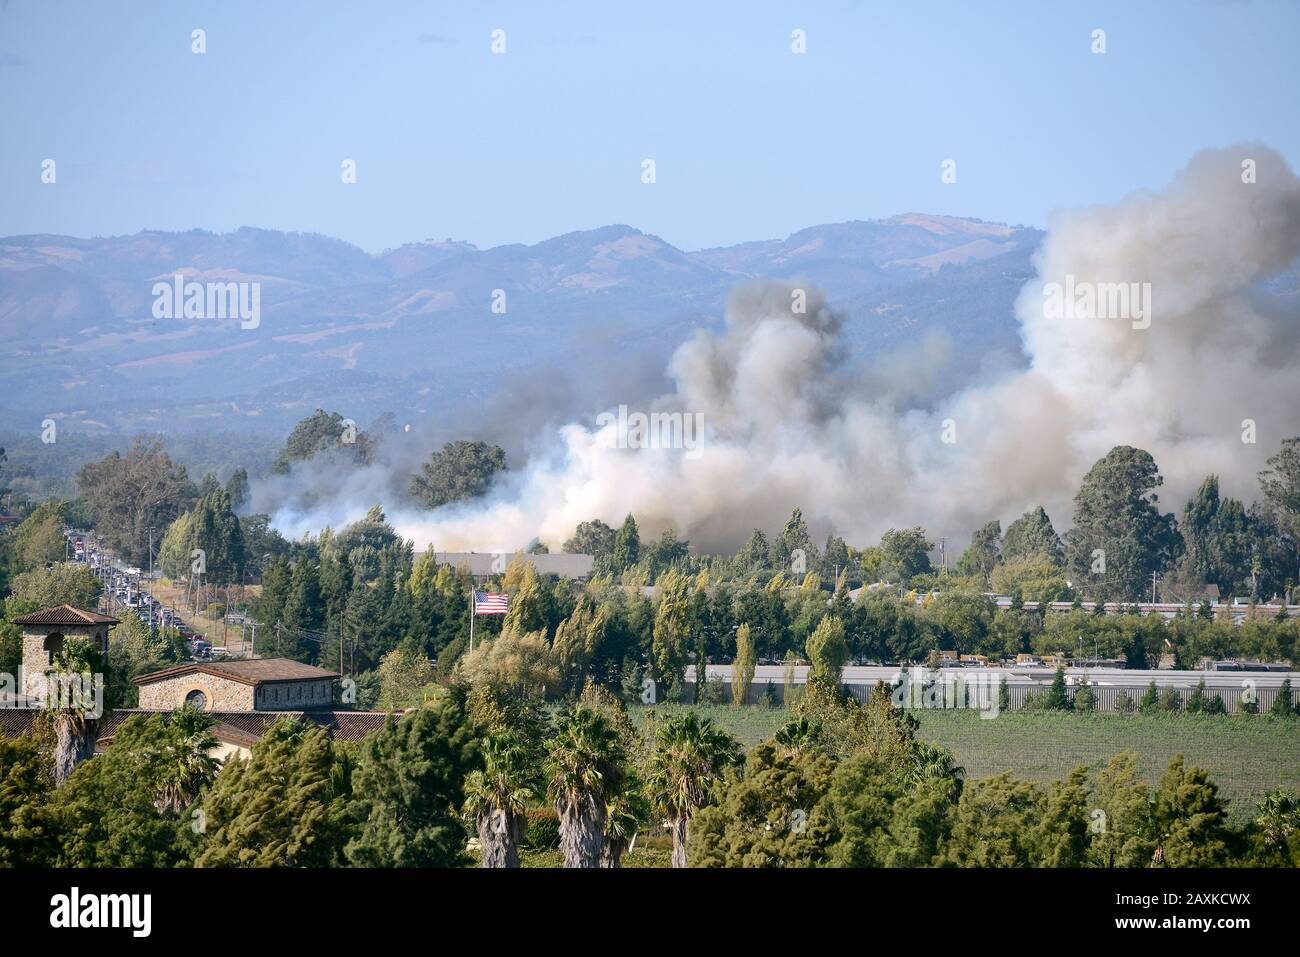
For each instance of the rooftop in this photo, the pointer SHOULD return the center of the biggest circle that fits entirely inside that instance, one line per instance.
(484, 564)
(246, 728)
(248, 671)
(64, 615)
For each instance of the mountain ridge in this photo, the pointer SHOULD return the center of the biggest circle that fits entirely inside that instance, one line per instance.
(344, 327)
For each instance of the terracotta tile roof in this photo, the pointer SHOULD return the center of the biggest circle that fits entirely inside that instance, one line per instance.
(245, 728)
(64, 615)
(16, 722)
(250, 671)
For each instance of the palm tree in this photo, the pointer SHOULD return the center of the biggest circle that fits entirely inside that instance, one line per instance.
(625, 814)
(933, 761)
(799, 734)
(585, 768)
(76, 671)
(190, 766)
(1277, 817)
(688, 762)
(497, 795)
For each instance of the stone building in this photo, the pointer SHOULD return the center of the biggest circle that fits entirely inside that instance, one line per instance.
(44, 633)
(244, 697)
(253, 684)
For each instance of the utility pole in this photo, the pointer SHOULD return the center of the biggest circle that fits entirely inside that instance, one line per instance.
(151, 575)
(943, 558)
(1153, 588)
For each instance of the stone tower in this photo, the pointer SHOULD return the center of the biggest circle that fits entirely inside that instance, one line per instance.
(45, 631)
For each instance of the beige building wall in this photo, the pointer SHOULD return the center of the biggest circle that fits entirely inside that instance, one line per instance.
(221, 694)
(41, 644)
(294, 695)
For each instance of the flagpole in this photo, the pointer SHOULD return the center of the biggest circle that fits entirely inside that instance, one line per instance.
(471, 615)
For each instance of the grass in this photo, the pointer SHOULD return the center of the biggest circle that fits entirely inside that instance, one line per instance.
(1245, 755)
(639, 857)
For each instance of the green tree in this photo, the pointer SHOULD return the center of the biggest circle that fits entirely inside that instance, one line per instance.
(777, 813)
(72, 698)
(1280, 483)
(497, 795)
(129, 494)
(828, 652)
(405, 676)
(321, 432)
(1032, 536)
(742, 669)
(134, 805)
(905, 553)
(983, 552)
(1057, 697)
(580, 638)
(59, 584)
(461, 470)
(670, 645)
(26, 784)
(39, 539)
(408, 788)
(1282, 705)
(627, 545)
(793, 549)
(1189, 819)
(1063, 834)
(237, 488)
(1121, 821)
(585, 768)
(591, 538)
(995, 824)
(287, 805)
(685, 770)
(1119, 536)
(216, 530)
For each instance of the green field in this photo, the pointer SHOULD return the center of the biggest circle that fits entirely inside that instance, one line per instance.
(1246, 755)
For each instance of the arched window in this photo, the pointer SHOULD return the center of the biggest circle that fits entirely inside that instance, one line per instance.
(53, 646)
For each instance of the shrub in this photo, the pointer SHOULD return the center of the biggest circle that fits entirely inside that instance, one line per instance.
(1282, 706)
(543, 830)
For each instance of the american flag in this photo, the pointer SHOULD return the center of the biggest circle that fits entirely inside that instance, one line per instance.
(485, 604)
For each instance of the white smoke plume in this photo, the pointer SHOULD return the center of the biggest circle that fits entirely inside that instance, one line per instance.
(788, 423)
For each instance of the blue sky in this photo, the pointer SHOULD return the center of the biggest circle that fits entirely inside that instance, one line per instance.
(750, 141)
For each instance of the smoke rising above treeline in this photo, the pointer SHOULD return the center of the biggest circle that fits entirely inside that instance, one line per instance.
(1200, 369)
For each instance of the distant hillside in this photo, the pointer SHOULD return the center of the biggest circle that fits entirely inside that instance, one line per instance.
(590, 319)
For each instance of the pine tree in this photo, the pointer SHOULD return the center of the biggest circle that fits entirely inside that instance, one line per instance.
(1282, 705)
(409, 788)
(1057, 697)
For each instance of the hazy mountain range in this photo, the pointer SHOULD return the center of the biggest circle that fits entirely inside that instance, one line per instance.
(590, 319)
